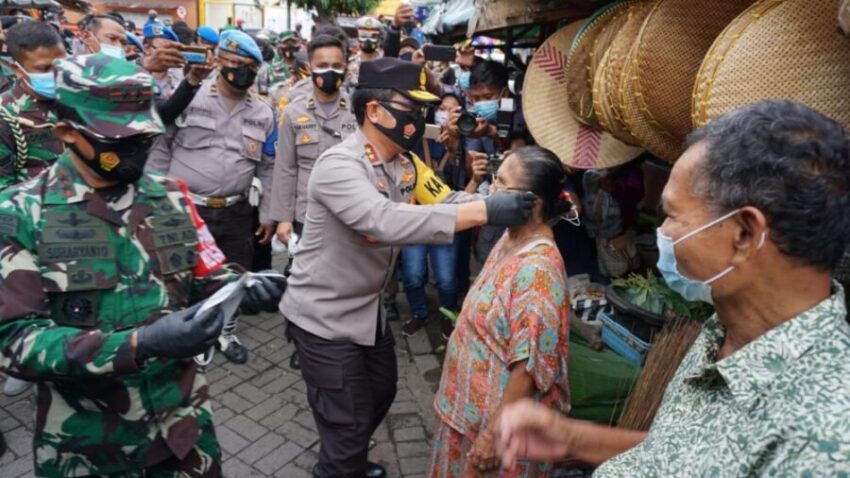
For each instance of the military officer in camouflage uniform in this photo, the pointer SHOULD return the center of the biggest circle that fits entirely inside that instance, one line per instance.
(284, 61)
(27, 143)
(219, 145)
(99, 267)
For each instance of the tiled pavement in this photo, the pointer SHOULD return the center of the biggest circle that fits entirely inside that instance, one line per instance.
(262, 418)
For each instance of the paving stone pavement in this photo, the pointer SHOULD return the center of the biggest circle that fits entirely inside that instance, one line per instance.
(262, 417)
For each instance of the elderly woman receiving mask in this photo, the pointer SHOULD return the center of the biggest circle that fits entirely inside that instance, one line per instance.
(758, 216)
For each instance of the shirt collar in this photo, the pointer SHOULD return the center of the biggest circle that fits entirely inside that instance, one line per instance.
(752, 370)
(65, 185)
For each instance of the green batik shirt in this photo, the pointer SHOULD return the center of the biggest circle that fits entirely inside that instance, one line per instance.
(778, 407)
(36, 131)
(79, 270)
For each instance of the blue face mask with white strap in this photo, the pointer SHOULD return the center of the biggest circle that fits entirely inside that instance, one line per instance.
(42, 84)
(690, 289)
(113, 51)
(487, 109)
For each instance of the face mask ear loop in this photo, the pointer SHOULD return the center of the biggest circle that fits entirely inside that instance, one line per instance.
(706, 226)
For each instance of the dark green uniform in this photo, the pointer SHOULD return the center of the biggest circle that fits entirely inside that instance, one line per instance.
(81, 270)
(27, 143)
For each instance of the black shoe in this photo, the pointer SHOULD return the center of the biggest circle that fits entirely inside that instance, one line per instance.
(234, 351)
(294, 361)
(2, 445)
(392, 312)
(374, 470)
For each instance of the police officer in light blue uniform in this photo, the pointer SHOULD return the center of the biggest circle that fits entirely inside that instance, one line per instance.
(208, 36)
(167, 81)
(223, 146)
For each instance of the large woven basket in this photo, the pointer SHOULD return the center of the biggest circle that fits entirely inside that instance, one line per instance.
(609, 73)
(586, 52)
(662, 67)
(545, 102)
(788, 49)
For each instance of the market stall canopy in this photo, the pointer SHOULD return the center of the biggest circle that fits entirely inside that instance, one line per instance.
(448, 15)
(493, 15)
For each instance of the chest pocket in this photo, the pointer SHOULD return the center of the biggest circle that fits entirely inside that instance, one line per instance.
(78, 266)
(195, 131)
(253, 140)
(306, 147)
(173, 249)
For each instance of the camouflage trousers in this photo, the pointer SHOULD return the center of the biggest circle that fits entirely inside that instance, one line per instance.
(203, 461)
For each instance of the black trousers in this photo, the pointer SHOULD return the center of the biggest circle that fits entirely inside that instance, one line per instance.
(232, 228)
(350, 389)
(262, 260)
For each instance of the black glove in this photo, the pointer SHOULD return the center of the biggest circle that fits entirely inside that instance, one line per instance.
(180, 334)
(265, 294)
(509, 208)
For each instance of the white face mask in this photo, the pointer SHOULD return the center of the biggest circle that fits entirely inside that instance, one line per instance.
(441, 117)
(113, 51)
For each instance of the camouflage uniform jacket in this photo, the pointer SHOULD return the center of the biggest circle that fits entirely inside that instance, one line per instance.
(36, 131)
(280, 72)
(80, 271)
(7, 79)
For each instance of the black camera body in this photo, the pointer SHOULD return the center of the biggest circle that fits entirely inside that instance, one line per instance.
(468, 121)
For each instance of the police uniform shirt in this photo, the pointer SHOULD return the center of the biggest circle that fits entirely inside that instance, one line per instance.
(359, 212)
(305, 133)
(219, 152)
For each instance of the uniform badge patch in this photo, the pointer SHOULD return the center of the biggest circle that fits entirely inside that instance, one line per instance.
(253, 146)
(302, 119)
(409, 130)
(77, 310)
(108, 161)
(306, 138)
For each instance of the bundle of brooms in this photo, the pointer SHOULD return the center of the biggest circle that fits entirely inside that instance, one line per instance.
(669, 348)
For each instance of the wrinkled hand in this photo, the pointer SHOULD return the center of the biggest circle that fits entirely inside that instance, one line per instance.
(483, 453)
(264, 295)
(403, 15)
(509, 208)
(180, 334)
(479, 166)
(198, 73)
(526, 430)
(164, 58)
(264, 233)
(284, 230)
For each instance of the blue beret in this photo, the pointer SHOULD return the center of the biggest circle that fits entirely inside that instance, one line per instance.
(135, 41)
(240, 43)
(208, 34)
(159, 30)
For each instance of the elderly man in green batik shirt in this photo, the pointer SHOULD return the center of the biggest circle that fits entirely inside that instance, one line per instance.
(758, 216)
(98, 269)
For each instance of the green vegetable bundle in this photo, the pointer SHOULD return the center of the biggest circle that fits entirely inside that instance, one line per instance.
(652, 294)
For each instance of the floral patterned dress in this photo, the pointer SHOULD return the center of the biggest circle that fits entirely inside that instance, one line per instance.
(517, 310)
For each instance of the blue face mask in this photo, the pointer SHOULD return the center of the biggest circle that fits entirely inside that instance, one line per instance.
(487, 109)
(690, 289)
(42, 84)
(113, 51)
(463, 81)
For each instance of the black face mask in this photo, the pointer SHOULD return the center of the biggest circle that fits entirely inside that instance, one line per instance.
(120, 160)
(368, 45)
(329, 81)
(409, 127)
(406, 56)
(241, 77)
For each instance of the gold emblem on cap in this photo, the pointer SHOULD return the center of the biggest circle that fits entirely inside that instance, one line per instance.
(233, 45)
(108, 161)
(423, 78)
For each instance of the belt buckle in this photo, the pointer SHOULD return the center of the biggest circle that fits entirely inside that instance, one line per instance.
(216, 203)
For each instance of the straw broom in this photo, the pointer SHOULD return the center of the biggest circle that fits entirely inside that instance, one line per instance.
(668, 350)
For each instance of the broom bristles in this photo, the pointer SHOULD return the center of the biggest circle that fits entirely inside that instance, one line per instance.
(672, 343)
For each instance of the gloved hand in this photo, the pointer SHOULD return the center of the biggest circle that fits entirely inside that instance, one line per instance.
(180, 334)
(264, 295)
(509, 208)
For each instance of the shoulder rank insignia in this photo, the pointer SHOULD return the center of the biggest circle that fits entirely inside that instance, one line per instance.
(371, 155)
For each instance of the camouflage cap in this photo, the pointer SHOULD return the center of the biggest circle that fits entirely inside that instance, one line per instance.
(106, 97)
